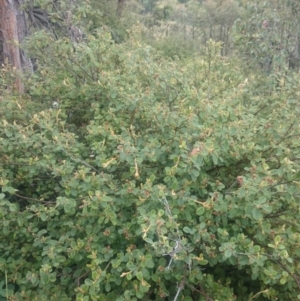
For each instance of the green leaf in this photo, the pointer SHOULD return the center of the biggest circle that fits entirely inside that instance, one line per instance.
(257, 214)
(88, 282)
(139, 275)
(215, 159)
(200, 210)
(283, 280)
(149, 263)
(148, 240)
(203, 262)
(277, 239)
(227, 253)
(187, 230)
(9, 189)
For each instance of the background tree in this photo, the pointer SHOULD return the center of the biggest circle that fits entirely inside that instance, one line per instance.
(267, 34)
(13, 30)
(190, 24)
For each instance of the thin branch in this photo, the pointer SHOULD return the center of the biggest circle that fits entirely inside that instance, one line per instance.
(257, 294)
(178, 241)
(260, 109)
(80, 277)
(26, 198)
(277, 214)
(220, 91)
(287, 270)
(282, 138)
(80, 161)
(80, 67)
(32, 199)
(180, 287)
(202, 292)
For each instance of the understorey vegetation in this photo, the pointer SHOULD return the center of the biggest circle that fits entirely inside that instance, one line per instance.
(130, 174)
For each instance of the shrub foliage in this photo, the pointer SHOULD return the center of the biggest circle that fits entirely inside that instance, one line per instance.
(151, 179)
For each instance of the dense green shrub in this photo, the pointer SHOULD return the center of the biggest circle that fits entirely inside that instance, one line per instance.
(151, 179)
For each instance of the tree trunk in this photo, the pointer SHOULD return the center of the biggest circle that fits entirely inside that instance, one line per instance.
(12, 31)
(120, 7)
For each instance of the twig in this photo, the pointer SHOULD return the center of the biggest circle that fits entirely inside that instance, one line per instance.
(287, 270)
(202, 292)
(26, 198)
(257, 294)
(178, 246)
(180, 288)
(282, 138)
(80, 161)
(83, 275)
(276, 214)
(32, 199)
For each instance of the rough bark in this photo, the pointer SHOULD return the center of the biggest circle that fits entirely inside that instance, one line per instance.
(12, 31)
(22, 34)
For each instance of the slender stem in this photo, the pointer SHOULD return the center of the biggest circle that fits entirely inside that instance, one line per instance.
(265, 291)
